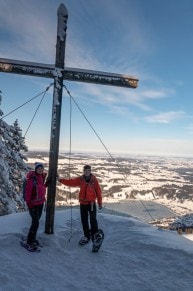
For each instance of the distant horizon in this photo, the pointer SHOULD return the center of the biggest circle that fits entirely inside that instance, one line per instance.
(114, 154)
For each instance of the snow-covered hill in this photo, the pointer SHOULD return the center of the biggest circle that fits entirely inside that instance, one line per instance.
(134, 256)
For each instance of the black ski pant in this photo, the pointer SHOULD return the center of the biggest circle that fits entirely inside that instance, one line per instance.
(35, 214)
(88, 214)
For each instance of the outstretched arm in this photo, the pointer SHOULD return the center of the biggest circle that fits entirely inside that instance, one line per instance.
(70, 182)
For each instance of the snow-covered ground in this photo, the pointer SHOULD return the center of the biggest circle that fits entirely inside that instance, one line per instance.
(134, 256)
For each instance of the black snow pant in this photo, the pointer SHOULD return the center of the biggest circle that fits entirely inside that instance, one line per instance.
(86, 212)
(35, 214)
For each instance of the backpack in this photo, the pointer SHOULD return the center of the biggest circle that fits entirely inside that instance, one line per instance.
(25, 183)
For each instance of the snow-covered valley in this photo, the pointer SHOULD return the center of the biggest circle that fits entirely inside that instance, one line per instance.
(135, 180)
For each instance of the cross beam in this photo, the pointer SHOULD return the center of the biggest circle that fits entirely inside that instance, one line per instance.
(69, 74)
(59, 73)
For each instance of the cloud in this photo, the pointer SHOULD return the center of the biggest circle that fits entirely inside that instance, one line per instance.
(121, 97)
(130, 103)
(156, 94)
(166, 117)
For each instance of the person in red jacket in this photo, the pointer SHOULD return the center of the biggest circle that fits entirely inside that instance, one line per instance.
(35, 193)
(90, 191)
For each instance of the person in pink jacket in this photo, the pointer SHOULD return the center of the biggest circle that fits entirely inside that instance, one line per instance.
(90, 191)
(35, 193)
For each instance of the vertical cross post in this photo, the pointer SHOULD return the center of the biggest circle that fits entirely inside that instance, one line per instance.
(56, 117)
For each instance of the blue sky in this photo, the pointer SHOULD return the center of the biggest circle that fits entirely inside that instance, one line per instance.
(150, 40)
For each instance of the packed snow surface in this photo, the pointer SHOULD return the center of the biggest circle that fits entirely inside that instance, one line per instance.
(134, 256)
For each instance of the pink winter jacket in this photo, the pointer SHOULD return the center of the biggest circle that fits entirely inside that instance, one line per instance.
(35, 196)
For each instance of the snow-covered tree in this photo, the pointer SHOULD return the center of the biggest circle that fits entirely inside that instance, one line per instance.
(12, 167)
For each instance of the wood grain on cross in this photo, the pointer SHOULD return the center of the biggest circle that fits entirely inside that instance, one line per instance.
(59, 73)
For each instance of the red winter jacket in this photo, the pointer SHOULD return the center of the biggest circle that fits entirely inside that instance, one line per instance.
(89, 192)
(35, 196)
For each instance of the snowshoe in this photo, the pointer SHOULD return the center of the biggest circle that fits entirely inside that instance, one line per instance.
(31, 248)
(97, 240)
(84, 240)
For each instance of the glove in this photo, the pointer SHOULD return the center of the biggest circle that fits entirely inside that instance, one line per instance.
(100, 207)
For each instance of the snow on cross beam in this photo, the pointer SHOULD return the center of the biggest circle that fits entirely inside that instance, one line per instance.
(70, 74)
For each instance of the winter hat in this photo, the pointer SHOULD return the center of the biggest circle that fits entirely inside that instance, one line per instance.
(87, 167)
(38, 165)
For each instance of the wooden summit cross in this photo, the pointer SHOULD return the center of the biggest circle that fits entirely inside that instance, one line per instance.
(59, 72)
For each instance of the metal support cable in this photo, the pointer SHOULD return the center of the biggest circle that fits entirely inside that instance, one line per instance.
(26, 102)
(35, 114)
